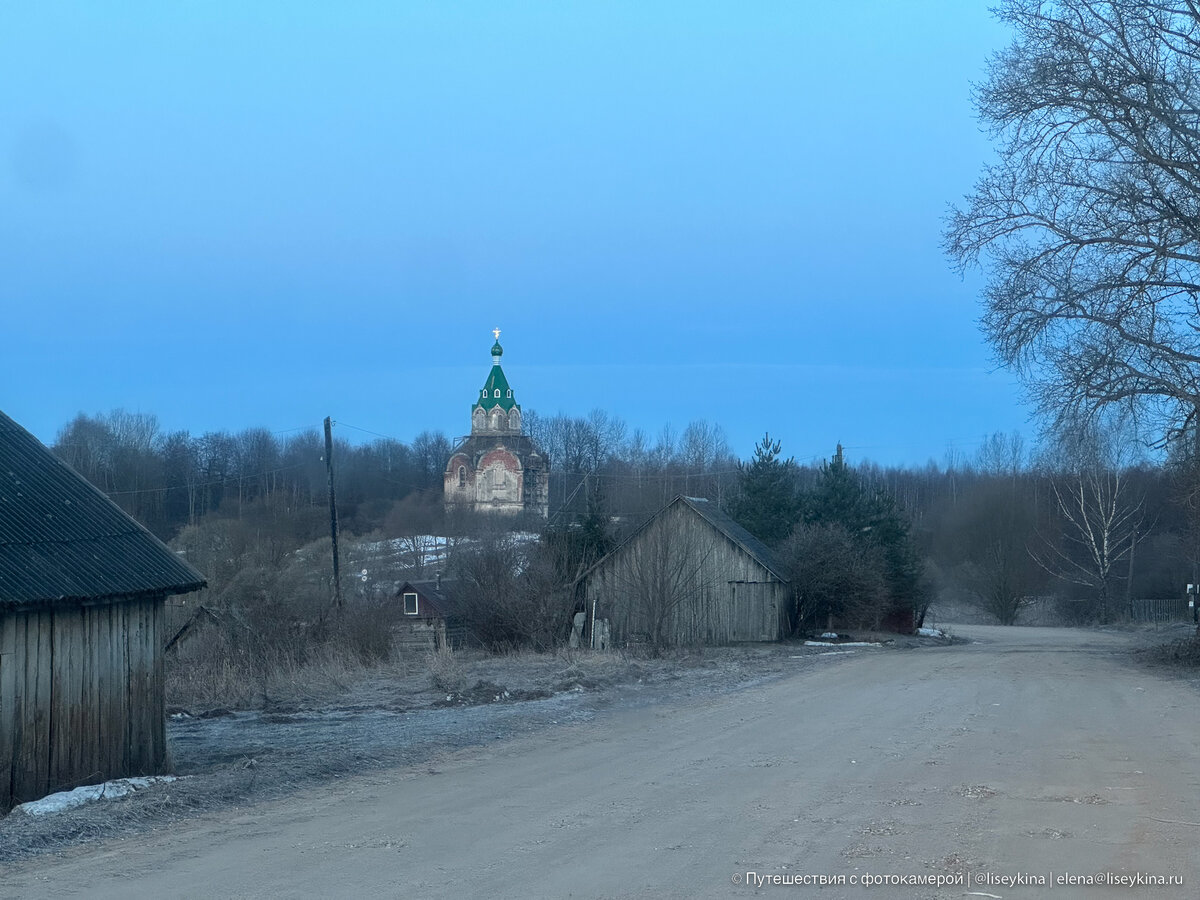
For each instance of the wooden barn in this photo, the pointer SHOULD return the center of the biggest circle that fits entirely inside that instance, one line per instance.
(82, 587)
(432, 615)
(691, 575)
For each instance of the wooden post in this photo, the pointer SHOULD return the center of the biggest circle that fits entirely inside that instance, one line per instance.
(337, 582)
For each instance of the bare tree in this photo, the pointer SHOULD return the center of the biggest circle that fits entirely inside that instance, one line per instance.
(1088, 222)
(663, 581)
(511, 594)
(1001, 454)
(1100, 525)
(991, 534)
(119, 452)
(986, 530)
(430, 451)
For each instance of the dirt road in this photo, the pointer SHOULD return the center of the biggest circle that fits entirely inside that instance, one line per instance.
(1030, 753)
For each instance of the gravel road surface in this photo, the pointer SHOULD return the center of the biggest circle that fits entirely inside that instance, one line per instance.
(1027, 754)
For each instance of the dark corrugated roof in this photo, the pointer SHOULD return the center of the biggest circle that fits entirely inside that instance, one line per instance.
(721, 520)
(62, 539)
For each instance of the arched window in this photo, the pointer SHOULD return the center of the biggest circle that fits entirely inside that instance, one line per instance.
(510, 393)
(483, 393)
(462, 476)
(497, 393)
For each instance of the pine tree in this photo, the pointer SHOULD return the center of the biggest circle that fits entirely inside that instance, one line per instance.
(767, 502)
(841, 498)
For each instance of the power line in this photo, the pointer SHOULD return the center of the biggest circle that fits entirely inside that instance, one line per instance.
(369, 431)
(200, 484)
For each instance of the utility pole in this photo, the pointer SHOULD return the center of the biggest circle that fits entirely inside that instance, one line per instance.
(337, 582)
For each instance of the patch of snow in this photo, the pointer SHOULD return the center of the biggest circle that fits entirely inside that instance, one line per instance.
(931, 632)
(829, 636)
(844, 644)
(110, 790)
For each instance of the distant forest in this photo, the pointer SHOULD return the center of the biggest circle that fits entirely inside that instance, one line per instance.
(1077, 519)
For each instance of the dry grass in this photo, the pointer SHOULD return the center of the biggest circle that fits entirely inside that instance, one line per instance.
(1184, 653)
(447, 673)
(216, 677)
(246, 662)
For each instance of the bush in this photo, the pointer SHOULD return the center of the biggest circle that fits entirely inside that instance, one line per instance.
(271, 632)
(511, 595)
(833, 576)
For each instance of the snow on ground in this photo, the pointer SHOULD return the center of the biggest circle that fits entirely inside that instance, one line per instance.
(931, 632)
(388, 563)
(843, 644)
(110, 790)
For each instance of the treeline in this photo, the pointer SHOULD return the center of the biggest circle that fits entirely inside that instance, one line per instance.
(1081, 519)
(168, 480)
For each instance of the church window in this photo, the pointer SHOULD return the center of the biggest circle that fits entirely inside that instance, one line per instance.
(510, 393)
(497, 393)
(485, 392)
(462, 476)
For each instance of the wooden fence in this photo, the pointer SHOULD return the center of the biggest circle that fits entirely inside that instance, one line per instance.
(1172, 609)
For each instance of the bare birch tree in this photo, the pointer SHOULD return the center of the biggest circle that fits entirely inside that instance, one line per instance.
(1101, 519)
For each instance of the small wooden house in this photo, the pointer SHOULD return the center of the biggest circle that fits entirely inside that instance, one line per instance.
(432, 615)
(691, 575)
(82, 587)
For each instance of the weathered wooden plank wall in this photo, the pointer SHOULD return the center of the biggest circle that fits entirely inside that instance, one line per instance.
(36, 744)
(156, 725)
(730, 596)
(81, 697)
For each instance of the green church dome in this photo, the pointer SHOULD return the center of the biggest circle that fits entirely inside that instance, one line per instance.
(496, 390)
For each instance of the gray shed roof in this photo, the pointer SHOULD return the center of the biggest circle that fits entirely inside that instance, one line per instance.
(61, 539)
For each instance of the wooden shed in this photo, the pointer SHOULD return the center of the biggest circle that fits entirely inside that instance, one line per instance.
(691, 575)
(82, 587)
(432, 615)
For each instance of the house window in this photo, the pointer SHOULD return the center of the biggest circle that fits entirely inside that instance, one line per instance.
(410, 604)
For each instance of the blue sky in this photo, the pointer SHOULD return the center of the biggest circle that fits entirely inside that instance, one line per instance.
(243, 214)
